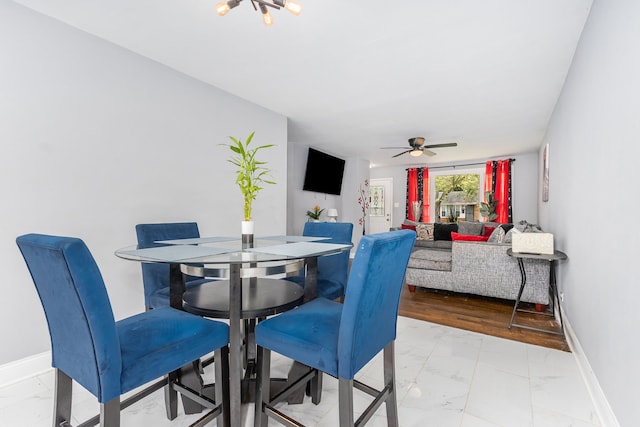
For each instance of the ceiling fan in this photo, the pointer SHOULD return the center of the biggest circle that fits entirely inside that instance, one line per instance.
(418, 147)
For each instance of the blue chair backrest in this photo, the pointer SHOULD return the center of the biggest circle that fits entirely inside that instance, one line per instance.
(84, 339)
(156, 276)
(334, 267)
(371, 302)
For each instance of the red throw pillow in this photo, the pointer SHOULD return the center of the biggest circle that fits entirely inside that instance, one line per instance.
(486, 232)
(458, 236)
(408, 227)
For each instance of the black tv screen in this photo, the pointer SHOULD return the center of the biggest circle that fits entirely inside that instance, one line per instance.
(324, 173)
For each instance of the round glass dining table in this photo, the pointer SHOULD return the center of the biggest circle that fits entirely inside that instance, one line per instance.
(247, 288)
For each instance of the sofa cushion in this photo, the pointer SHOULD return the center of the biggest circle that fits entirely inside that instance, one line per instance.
(507, 236)
(497, 236)
(425, 231)
(442, 230)
(458, 236)
(499, 233)
(470, 228)
(506, 227)
(408, 227)
(433, 244)
(430, 259)
(491, 224)
(487, 230)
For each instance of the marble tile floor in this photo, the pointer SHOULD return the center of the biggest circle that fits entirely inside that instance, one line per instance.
(445, 377)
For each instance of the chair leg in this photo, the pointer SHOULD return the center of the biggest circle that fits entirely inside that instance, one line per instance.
(315, 387)
(190, 376)
(390, 381)
(221, 367)
(171, 396)
(345, 402)
(250, 342)
(110, 413)
(62, 399)
(263, 386)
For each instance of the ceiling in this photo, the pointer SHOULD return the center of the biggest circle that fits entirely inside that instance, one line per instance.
(354, 76)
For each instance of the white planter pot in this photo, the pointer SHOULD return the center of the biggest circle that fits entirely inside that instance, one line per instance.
(247, 227)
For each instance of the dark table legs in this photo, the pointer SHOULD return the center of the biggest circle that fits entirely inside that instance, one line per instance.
(554, 300)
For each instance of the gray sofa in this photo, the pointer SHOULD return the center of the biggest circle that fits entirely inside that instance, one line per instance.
(480, 268)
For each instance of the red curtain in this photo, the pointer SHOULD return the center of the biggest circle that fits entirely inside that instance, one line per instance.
(488, 179)
(498, 181)
(412, 191)
(502, 192)
(418, 190)
(425, 196)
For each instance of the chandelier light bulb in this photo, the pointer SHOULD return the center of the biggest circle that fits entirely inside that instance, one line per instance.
(222, 8)
(293, 7)
(416, 153)
(267, 19)
(266, 16)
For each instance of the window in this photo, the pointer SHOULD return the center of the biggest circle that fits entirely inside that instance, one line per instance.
(456, 197)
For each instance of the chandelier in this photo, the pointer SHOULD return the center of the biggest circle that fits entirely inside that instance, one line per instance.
(292, 6)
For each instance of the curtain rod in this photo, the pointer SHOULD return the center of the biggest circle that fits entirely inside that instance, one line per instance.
(454, 166)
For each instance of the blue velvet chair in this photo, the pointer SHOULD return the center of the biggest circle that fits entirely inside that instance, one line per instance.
(332, 270)
(155, 277)
(111, 358)
(339, 339)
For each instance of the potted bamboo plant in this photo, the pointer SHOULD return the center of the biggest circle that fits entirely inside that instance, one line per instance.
(251, 175)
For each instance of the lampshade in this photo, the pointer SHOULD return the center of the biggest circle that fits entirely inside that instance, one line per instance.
(332, 214)
(416, 153)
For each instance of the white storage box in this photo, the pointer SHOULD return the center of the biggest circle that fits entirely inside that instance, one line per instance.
(532, 243)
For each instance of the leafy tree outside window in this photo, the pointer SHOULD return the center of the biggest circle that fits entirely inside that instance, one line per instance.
(468, 185)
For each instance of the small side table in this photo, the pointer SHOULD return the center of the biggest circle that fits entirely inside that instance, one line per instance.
(555, 300)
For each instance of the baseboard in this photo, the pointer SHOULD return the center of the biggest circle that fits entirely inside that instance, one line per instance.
(22, 369)
(602, 407)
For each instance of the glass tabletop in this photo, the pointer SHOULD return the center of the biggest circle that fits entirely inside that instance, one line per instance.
(229, 250)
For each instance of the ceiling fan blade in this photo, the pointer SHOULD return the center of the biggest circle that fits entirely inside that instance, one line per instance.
(393, 148)
(448, 144)
(428, 152)
(404, 152)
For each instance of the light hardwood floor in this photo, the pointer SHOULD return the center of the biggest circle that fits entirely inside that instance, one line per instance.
(478, 314)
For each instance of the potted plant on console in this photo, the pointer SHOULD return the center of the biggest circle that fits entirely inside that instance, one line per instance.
(488, 208)
(314, 215)
(251, 175)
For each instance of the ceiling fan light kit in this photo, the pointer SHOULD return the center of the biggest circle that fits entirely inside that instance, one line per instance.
(292, 6)
(418, 148)
(416, 142)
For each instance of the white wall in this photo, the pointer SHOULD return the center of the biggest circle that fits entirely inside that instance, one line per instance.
(356, 171)
(594, 152)
(96, 139)
(524, 186)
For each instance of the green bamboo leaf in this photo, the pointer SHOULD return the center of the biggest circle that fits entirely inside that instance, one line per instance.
(250, 173)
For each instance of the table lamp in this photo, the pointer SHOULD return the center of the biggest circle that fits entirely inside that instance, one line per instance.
(332, 214)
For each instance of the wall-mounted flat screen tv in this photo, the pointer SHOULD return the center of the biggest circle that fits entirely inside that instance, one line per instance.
(324, 173)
